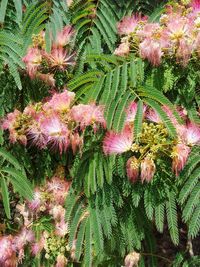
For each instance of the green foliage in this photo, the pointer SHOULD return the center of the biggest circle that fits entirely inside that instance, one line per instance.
(15, 40)
(94, 22)
(180, 260)
(12, 172)
(138, 119)
(93, 169)
(116, 85)
(172, 217)
(107, 215)
(190, 193)
(89, 221)
(3, 7)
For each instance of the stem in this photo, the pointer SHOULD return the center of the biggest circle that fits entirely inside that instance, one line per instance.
(190, 247)
(155, 255)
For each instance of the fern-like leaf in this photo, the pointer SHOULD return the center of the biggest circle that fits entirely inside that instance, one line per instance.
(5, 197)
(171, 211)
(138, 119)
(159, 216)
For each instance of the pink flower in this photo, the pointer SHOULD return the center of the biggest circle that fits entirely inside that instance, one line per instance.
(61, 261)
(76, 141)
(131, 112)
(122, 50)
(22, 239)
(129, 24)
(13, 123)
(36, 136)
(30, 111)
(148, 169)
(178, 27)
(180, 155)
(59, 188)
(23, 210)
(47, 78)
(60, 102)
(58, 212)
(37, 247)
(7, 254)
(182, 112)
(61, 228)
(117, 143)
(151, 50)
(152, 115)
(149, 30)
(184, 52)
(196, 5)
(37, 201)
(64, 36)
(170, 114)
(88, 115)
(33, 60)
(59, 58)
(11, 120)
(132, 169)
(197, 44)
(191, 135)
(56, 132)
(35, 133)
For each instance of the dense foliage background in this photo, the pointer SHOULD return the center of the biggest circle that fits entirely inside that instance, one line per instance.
(80, 204)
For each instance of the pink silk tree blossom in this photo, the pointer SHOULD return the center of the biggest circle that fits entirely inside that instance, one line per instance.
(7, 253)
(122, 50)
(32, 60)
(128, 24)
(56, 132)
(11, 123)
(59, 58)
(148, 169)
(180, 155)
(118, 143)
(60, 101)
(88, 115)
(151, 50)
(61, 261)
(63, 37)
(191, 135)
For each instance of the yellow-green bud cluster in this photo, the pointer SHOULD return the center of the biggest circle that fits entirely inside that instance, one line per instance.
(54, 246)
(153, 139)
(38, 40)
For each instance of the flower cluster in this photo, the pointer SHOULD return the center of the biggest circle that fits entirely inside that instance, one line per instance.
(177, 35)
(12, 247)
(152, 143)
(56, 123)
(41, 64)
(48, 202)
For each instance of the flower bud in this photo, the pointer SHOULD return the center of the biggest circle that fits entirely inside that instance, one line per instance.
(147, 169)
(132, 259)
(132, 169)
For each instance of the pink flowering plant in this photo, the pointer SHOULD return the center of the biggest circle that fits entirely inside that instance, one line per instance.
(169, 44)
(175, 36)
(154, 142)
(99, 133)
(44, 231)
(45, 65)
(56, 123)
